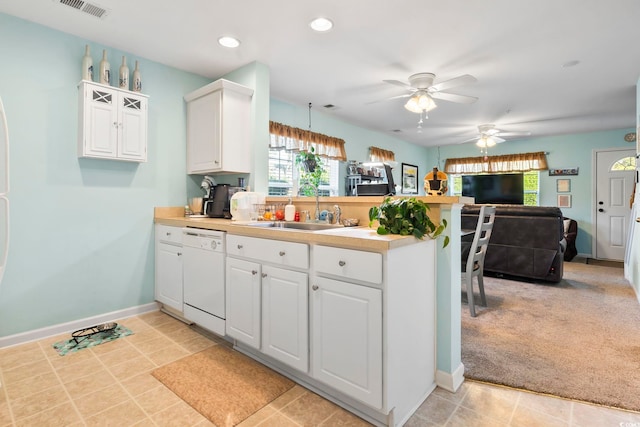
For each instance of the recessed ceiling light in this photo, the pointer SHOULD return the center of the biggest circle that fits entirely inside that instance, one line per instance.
(228, 41)
(321, 24)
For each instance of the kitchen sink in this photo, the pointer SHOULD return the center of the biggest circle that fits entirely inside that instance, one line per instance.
(309, 226)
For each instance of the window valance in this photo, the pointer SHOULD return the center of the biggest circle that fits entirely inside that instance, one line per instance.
(295, 139)
(379, 155)
(494, 164)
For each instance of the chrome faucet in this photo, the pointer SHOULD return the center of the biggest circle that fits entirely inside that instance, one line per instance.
(317, 193)
(336, 214)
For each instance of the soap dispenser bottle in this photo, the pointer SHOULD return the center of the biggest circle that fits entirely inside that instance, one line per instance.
(289, 211)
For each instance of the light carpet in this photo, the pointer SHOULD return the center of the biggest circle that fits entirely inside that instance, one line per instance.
(223, 385)
(577, 339)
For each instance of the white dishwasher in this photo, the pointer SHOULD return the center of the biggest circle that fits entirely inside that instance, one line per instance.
(203, 275)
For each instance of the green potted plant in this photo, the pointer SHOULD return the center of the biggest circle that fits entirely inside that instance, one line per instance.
(406, 217)
(311, 169)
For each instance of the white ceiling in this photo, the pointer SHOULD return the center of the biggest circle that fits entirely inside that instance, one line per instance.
(516, 50)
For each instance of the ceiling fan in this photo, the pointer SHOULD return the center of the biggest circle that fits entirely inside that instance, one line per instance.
(488, 136)
(423, 91)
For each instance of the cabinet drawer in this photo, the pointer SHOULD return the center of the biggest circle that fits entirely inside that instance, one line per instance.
(348, 263)
(169, 234)
(273, 251)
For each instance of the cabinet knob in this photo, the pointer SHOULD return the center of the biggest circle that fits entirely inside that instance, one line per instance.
(168, 233)
(179, 253)
(315, 287)
(239, 246)
(281, 253)
(264, 275)
(341, 263)
(216, 162)
(254, 272)
(115, 124)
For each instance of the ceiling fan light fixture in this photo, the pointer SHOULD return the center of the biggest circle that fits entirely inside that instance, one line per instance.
(419, 102)
(486, 142)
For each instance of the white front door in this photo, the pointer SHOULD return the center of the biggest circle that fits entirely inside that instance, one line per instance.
(614, 184)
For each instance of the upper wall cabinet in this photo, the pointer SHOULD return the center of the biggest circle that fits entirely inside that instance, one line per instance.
(112, 123)
(218, 125)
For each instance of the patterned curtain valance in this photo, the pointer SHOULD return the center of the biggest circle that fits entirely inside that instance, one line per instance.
(295, 139)
(493, 164)
(379, 155)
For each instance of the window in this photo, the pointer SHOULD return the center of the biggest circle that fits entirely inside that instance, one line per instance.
(624, 164)
(285, 142)
(531, 187)
(283, 175)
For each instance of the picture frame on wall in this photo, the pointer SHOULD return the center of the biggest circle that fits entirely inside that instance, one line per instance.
(563, 185)
(565, 171)
(409, 179)
(564, 200)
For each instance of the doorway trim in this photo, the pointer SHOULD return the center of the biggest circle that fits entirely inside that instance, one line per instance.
(594, 207)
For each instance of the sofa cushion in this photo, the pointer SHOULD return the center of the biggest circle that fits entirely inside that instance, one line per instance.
(525, 242)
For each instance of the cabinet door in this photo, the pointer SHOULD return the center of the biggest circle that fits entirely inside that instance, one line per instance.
(243, 301)
(285, 334)
(132, 128)
(346, 332)
(100, 122)
(203, 133)
(169, 275)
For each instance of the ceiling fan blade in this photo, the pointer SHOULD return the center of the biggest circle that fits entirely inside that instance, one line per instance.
(498, 139)
(475, 138)
(399, 83)
(513, 133)
(452, 97)
(389, 99)
(465, 79)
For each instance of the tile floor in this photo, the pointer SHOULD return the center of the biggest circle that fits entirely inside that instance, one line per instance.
(110, 384)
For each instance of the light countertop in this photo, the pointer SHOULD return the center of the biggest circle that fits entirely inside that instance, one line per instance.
(361, 238)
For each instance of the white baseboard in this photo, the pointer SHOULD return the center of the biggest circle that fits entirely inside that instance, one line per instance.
(49, 331)
(450, 381)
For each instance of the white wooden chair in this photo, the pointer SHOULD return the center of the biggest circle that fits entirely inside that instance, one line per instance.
(474, 265)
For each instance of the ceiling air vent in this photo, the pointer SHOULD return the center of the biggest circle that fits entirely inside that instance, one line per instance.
(86, 7)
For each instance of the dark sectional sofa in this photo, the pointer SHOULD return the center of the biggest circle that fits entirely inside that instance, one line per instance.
(527, 241)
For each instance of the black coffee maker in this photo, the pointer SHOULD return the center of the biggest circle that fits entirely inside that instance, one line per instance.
(218, 204)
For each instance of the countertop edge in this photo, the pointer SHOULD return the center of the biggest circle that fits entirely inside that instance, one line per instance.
(361, 238)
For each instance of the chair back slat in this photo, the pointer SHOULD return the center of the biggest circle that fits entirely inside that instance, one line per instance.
(481, 237)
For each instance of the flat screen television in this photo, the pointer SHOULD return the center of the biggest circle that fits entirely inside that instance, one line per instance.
(506, 188)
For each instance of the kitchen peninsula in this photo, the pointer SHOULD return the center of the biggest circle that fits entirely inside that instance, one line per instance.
(345, 312)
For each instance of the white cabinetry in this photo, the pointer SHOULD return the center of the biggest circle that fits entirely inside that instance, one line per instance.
(218, 128)
(373, 326)
(112, 123)
(243, 301)
(346, 323)
(267, 298)
(168, 286)
(285, 334)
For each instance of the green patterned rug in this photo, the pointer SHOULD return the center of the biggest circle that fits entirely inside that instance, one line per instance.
(71, 346)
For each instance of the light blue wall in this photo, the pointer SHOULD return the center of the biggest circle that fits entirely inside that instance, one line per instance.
(566, 151)
(81, 229)
(357, 139)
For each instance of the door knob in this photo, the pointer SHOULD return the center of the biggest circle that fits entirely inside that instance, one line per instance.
(601, 202)
(600, 210)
